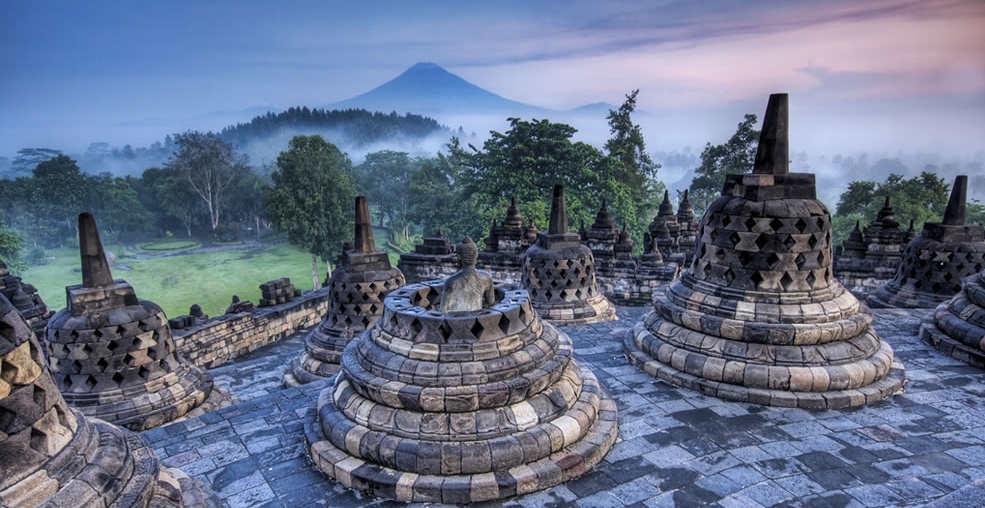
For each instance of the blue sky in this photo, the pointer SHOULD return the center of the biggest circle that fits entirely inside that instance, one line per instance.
(887, 75)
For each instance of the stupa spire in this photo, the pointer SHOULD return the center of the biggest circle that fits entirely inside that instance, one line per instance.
(773, 153)
(559, 213)
(956, 211)
(364, 229)
(95, 268)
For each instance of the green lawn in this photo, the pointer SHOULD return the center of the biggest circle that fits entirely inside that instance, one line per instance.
(176, 282)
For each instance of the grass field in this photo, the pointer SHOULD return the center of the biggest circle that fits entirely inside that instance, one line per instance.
(177, 282)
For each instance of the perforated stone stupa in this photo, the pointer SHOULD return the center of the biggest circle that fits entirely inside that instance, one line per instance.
(869, 258)
(759, 316)
(113, 355)
(25, 299)
(957, 326)
(936, 262)
(53, 456)
(559, 273)
(356, 292)
(460, 407)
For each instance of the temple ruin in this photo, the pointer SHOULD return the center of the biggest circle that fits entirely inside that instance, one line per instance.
(460, 407)
(25, 299)
(356, 292)
(936, 262)
(559, 273)
(52, 455)
(113, 355)
(759, 317)
(869, 258)
(957, 326)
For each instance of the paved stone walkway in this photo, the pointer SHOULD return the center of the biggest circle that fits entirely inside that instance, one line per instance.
(676, 447)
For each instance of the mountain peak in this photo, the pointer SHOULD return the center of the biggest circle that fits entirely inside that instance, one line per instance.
(427, 88)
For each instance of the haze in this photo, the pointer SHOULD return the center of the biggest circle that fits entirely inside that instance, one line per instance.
(876, 75)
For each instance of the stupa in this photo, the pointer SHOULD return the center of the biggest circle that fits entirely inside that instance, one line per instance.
(472, 405)
(957, 326)
(25, 299)
(355, 302)
(689, 228)
(113, 355)
(936, 262)
(759, 317)
(869, 258)
(559, 273)
(53, 456)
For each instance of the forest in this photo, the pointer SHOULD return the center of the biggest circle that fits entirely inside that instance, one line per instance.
(205, 186)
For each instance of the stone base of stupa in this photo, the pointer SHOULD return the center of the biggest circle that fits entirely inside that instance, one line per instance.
(592, 310)
(957, 326)
(319, 360)
(782, 383)
(168, 398)
(893, 296)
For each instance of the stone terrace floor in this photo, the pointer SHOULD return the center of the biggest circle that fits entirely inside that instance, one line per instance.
(676, 447)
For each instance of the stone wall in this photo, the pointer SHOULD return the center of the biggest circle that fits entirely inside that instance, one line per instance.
(224, 338)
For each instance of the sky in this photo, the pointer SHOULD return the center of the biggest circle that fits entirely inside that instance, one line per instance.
(886, 75)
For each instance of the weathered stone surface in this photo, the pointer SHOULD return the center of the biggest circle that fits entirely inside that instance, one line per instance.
(50, 455)
(113, 355)
(759, 316)
(957, 326)
(559, 273)
(25, 299)
(935, 263)
(459, 407)
(356, 292)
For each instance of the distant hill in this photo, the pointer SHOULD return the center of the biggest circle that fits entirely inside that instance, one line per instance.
(350, 127)
(429, 89)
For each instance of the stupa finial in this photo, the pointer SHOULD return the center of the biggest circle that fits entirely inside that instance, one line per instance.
(773, 152)
(95, 267)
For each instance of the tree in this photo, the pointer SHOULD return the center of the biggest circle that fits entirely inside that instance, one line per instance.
(432, 198)
(10, 249)
(312, 198)
(383, 178)
(737, 155)
(920, 199)
(60, 191)
(28, 158)
(211, 168)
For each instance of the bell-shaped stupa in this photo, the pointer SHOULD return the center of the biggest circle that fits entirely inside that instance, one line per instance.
(936, 262)
(113, 355)
(559, 273)
(759, 316)
(356, 292)
(478, 403)
(53, 456)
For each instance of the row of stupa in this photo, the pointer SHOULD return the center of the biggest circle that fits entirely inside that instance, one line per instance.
(758, 317)
(621, 277)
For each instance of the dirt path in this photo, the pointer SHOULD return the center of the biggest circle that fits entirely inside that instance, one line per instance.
(201, 250)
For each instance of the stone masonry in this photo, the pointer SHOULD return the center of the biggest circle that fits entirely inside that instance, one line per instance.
(25, 299)
(113, 355)
(868, 259)
(356, 292)
(53, 456)
(957, 326)
(559, 273)
(936, 262)
(759, 316)
(461, 407)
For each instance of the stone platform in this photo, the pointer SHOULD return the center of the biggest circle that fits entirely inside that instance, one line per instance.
(675, 447)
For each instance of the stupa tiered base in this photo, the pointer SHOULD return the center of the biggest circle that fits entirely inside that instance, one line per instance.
(957, 327)
(805, 360)
(461, 407)
(52, 456)
(114, 359)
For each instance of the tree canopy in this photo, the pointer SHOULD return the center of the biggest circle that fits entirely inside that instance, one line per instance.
(312, 196)
(737, 155)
